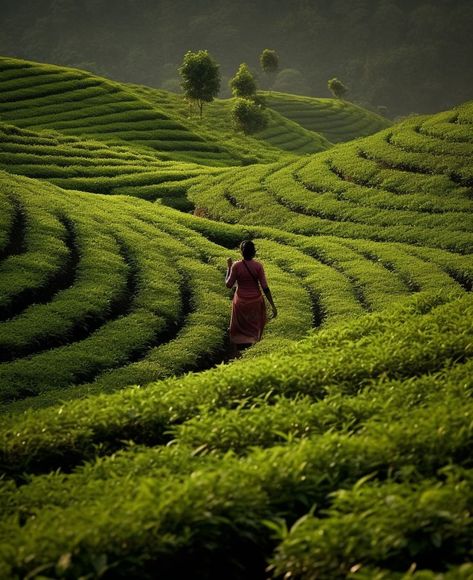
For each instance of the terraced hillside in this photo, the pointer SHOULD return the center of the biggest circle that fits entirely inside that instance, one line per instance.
(404, 184)
(280, 134)
(96, 167)
(335, 119)
(296, 124)
(36, 96)
(87, 133)
(338, 447)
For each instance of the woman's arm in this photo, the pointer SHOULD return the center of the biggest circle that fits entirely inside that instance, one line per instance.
(230, 277)
(267, 292)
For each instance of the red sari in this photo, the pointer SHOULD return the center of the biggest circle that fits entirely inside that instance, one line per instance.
(248, 317)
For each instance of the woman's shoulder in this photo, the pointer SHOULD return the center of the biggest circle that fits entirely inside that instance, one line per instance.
(253, 264)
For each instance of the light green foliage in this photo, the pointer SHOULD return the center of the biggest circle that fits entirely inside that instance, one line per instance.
(339, 446)
(336, 120)
(369, 189)
(285, 134)
(346, 359)
(85, 105)
(24, 273)
(243, 84)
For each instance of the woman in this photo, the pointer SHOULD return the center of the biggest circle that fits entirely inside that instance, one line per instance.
(248, 308)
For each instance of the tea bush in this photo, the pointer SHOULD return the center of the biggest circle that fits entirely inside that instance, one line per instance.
(130, 446)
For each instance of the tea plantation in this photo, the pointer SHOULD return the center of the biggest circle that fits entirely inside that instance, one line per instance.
(340, 446)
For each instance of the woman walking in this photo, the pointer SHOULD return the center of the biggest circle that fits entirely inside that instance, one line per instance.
(248, 317)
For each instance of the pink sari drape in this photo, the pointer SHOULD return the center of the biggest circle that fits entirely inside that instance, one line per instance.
(248, 319)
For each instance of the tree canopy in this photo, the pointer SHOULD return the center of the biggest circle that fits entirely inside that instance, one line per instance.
(248, 116)
(243, 83)
(200, 77)
(269, 61)
(290, 80)
(337, 88)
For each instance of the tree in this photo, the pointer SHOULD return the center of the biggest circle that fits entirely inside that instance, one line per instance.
(291, 80)
(200, 77)
(337, 88)
(269, 61)
(248, 116)
(243, 84)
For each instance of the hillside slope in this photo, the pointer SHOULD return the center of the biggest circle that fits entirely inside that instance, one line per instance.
(353, 430)
(338, 447)
(281, 135)
(87, 133)
(94, 166)
(335, 119)
(409, 183)
(39, 96)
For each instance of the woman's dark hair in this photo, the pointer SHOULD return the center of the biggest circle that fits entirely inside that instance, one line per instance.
(248, 249)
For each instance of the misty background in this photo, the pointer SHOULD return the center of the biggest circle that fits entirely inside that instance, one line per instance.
(409, 56)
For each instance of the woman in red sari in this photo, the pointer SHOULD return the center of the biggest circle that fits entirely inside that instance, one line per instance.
(248, 308)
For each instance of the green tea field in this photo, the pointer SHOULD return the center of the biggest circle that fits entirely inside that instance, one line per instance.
(339, 446)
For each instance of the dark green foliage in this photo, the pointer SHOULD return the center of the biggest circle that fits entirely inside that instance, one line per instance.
(291, 80)
(269, 61)
(377, 46)
(337, 447)
(386, 525)
(337, 88)
(200, 77)
(232, 505)
(248, 116)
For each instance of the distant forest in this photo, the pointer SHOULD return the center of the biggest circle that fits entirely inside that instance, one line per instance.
(405, 55)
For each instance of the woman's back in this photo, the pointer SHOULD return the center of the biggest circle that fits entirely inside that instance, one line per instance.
(246, 273)
(248, 307)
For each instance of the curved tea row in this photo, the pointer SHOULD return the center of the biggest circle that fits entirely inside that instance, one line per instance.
(373, 188)
(121, 294)
(339, 445)
(95, 287)
(37, 96)
(374, 408)
(106, 292)
(85, 165)
(335, 119)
